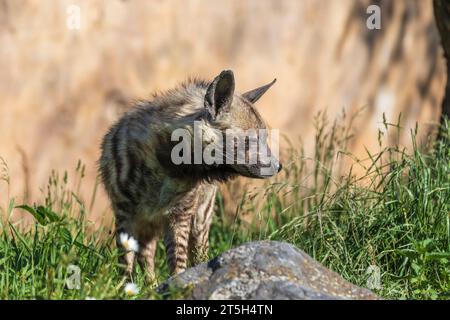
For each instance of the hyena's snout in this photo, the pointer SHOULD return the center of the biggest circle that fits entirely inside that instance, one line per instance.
(278, 166)
(267, 165)
(271, 167)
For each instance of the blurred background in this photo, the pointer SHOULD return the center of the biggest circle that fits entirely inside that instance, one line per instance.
(61, 87)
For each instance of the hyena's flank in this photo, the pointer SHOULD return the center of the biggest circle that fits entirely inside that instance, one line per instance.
(150, 194)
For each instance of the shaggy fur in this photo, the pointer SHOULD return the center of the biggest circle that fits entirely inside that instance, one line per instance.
(150, 195)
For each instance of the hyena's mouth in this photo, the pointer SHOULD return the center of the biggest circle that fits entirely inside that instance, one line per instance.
(259, 171)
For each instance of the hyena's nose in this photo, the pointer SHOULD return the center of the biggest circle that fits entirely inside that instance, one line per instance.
(278, 167)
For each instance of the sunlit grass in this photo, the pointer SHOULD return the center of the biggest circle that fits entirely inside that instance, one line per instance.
(395, 216)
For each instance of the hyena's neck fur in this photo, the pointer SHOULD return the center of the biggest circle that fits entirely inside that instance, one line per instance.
(184, 106)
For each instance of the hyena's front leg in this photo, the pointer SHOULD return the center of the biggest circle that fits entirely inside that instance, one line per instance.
(176, 237)
(201, 223)
(146, 257)
(126, 256)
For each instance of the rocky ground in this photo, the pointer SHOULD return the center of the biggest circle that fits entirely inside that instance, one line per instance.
(263, 270)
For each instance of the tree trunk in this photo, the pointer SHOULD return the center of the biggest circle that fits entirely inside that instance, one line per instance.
(442, 15)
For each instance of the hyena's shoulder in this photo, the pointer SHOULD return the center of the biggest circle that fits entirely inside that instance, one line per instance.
(129, 151)
(127, 162)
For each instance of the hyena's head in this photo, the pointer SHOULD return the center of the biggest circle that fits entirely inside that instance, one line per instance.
(245, 135)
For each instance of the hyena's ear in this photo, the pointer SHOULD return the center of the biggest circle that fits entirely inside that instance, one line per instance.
(219, 94)
(257, 93)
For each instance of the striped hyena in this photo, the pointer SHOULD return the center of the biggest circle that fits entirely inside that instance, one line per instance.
(151, 194)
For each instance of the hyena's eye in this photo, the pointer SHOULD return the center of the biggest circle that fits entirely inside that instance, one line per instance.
(247, 143)
(252, 141)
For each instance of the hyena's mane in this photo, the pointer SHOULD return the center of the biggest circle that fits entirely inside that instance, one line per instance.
(179, 107)
(187, 93)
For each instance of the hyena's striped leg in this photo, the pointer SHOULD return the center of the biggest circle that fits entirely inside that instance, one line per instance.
(126, 257)
(146, 257)
(201, 223)
(176, 237)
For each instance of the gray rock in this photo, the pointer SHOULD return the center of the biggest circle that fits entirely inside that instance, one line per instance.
(262, 270)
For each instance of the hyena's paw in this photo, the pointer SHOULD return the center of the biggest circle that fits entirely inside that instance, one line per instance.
(198, 257)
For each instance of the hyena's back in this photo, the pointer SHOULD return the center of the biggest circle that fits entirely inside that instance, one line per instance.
(127, 165)
(134, 178)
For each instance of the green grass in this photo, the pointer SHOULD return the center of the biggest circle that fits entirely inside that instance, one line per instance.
(395, 216)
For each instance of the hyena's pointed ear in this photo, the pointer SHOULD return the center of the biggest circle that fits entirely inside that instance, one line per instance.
(219, 94)
(257, 93)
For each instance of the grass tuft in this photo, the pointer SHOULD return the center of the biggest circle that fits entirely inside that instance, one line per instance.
(394, 219)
